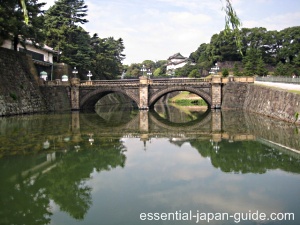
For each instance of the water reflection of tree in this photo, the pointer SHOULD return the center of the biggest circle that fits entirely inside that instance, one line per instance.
(26, 200)
(66, 184)
(178, 115)
(22, 203)
(246, 157)
(115, 114)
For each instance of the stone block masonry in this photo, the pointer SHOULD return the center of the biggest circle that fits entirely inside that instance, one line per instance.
(57, 98)
(273, 102)
(267, 101)
(19, 90)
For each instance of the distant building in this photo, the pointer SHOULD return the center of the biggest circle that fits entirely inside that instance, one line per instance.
(42, 57)
(176, 61)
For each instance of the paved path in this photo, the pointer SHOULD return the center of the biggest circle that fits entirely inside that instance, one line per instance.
(286, 86)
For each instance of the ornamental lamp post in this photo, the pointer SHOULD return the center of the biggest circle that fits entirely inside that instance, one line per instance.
(214, 70)
(217, 68)
(91, 139)
(75, 71)
(44, 75)
(149, 73)
(143, 69)
(89, 75)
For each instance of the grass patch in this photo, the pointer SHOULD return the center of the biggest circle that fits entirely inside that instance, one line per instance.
(190, 102)
(13, 96)
(185, 98)
(294, 91)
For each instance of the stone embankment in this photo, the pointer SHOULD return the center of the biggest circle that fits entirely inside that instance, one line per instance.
(19, 90)
(269, 101)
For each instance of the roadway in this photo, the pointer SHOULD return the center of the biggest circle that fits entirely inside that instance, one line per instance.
(285, 86)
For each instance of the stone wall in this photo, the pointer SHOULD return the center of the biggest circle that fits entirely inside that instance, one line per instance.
(273, 102)
(57, 98)
(230, 65)
(19, 90)
(263, 100)
(234, 95)
(278, 131)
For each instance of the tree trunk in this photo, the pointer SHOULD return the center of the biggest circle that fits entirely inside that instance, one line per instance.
(16, 42)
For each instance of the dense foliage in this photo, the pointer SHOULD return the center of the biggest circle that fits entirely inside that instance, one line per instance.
(156, 69)
(13, 26)
(60, 27)
(260, 48)
(263, 52)
(103, 56)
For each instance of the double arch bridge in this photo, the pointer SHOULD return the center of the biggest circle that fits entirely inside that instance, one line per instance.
(146, 92)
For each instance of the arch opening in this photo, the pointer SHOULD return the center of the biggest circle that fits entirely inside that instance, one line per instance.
(102, 98)
(180, 107)
(201, 93)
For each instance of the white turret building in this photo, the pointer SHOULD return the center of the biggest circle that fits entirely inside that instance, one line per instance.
(176, 61)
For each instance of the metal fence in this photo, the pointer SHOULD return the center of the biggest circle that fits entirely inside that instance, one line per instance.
(290, 80)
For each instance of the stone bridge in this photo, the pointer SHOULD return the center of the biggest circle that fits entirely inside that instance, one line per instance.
(146, 92)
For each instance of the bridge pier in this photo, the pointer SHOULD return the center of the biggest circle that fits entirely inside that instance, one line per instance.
(144, 121)
(216, 92)
(143, 93)
(74, 94)
(76, 127)
(216, 121)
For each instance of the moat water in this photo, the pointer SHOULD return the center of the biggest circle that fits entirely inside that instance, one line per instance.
(169, 166)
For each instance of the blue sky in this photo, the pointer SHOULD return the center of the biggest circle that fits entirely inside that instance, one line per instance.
(157, 29)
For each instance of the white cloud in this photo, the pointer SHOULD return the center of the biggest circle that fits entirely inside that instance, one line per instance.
(156, 29)
(277, 22)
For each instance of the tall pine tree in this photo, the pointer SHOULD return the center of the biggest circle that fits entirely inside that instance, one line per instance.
(13, 26)
(64, 33)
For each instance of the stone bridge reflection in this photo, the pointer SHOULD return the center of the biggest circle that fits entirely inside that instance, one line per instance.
(148, 124)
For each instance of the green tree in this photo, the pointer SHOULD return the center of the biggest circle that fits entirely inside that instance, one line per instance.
(133, 70)
(296, 63)
(62, 25)
(225, 72)
(185, 70)
(236, 70)
(233, 25)
(261, 68)
(12, 24)
(283, 69)
(161, 65)
(107, 61)
(250, 61)
(194, 73)
(223, 48)
(290, 44)
(249, 69)
(79, 52)
(157, 72)
(270, 47)
(202, 58)
(149, 64)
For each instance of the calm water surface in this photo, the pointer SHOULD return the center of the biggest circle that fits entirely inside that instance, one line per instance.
(116, 165)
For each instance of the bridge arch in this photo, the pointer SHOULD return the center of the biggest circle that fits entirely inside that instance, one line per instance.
(204, 121)
(89, 100)
(157, 95)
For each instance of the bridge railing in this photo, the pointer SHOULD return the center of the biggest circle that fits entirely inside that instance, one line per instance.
(179, 80)
(122, 82)
(238, 79)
